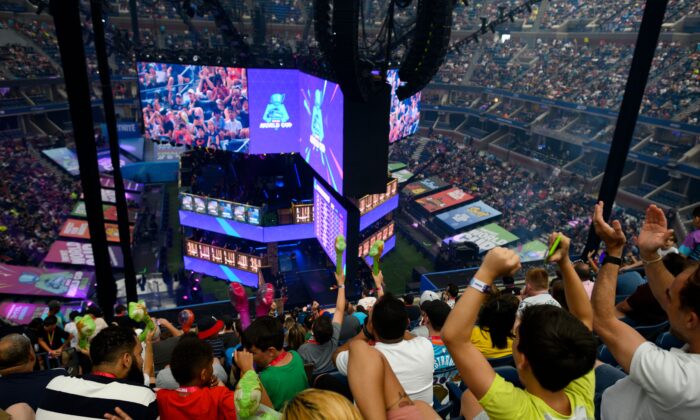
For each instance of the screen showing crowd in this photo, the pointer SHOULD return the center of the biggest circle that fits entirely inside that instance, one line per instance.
(198, 106)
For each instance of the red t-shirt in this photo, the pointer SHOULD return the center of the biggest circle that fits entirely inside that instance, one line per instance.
(205, 403)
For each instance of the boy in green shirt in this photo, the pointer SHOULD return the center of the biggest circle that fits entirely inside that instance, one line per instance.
(554, 350)
(281, 373)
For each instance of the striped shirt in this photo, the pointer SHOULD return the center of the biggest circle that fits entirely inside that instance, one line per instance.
(70, 398)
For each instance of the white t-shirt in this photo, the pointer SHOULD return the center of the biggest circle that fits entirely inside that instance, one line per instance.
(412, 362)
(662, 385)
(543, 299)
(367, 302)
(72, 329)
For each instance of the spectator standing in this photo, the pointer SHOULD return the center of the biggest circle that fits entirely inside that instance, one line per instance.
(493, 335)
(691, 245)
(536, 291)
(230, 334)
(55, 310)
(53, 339)
(436, 313)
(320, 349)
(661, 383)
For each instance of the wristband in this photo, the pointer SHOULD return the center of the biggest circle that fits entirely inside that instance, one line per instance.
(479, 285)
(609, 259)
(655, 260)
(341, 286)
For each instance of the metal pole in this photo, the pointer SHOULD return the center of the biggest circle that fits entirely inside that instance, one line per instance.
(644, 49)
(111, 119)
(66, 15)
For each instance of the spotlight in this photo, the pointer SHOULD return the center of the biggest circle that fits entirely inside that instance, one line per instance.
(195, 58)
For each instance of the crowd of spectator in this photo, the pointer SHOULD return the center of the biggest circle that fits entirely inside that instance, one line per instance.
(25, 62)
(477, 349)
(526, 199)
(30, 220)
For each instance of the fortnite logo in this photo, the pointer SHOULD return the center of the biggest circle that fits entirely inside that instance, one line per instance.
(276, 115)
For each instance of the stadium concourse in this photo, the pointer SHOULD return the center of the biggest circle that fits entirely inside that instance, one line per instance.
(468, 288)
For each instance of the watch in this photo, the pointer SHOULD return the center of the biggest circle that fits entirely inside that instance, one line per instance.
(609, 259)
(479, 285)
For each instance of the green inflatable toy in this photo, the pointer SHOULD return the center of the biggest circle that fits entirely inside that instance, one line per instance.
(139, 313)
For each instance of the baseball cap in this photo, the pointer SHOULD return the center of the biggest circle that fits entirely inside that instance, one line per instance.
(208, 327)
(428, 296)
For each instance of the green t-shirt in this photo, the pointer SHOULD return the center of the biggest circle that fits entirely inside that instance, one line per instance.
(282, 383)
(505, 401)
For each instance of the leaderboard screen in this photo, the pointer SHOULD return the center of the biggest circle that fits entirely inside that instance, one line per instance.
(330, 220)
(204, 106)
(404, 115)
(321, 130)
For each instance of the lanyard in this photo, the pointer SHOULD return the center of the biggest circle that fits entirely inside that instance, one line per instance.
(278, 359)
(312, 341)
(188, 389)
(105, 375)
(51, 335)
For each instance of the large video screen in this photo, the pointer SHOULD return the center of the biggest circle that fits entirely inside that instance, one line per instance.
(444, 200)
(205, 106)
(404, 115)
(321, 128)
(468, 215)
(274, 110)
(330, 220)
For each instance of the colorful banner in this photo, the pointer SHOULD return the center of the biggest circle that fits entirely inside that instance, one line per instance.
(20, 280)
(80, 253)
(395, 166)
(402, 175)
(531, 251)
(108, 182)
(444, 200)
(419, 188)
(467, 215)
(23, 313)
(78, 229)
(109, 212)
(487, 237)
(65, 158)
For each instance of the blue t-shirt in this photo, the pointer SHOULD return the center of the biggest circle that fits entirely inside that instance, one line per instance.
(361, 316)
(443, 367)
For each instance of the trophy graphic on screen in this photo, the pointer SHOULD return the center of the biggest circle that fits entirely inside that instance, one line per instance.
(317, 133)
(276, 112)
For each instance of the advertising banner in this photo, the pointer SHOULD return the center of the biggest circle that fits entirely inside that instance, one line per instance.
(80, 253)
(424, 186)
(532, 251)
(467, 215)
(78, 229)
(20, 280)
(444, 200)
(109, 212)
(274, 110)
(65, 158)
(486, 237)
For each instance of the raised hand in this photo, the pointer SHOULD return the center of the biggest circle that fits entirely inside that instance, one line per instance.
(654, 233)
(562, 251)
(499, 262)
(612, 235)
(244, 360)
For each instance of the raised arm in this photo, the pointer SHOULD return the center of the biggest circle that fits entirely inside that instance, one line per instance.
(653, 236)
(621, 339)
(576, 297)
(379, 283)
(167, 325)
(340, 300)
(475, 370)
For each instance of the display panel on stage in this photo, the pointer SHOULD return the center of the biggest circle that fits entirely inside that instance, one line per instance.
(330, 220)
(20, 280)
(424, 186)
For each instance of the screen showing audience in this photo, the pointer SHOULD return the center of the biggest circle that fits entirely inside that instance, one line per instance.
(405, 115)
(198, 106)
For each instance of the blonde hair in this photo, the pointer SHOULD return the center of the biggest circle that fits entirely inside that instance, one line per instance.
(318, 404)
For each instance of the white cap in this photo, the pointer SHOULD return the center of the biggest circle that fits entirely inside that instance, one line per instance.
(428, 295)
